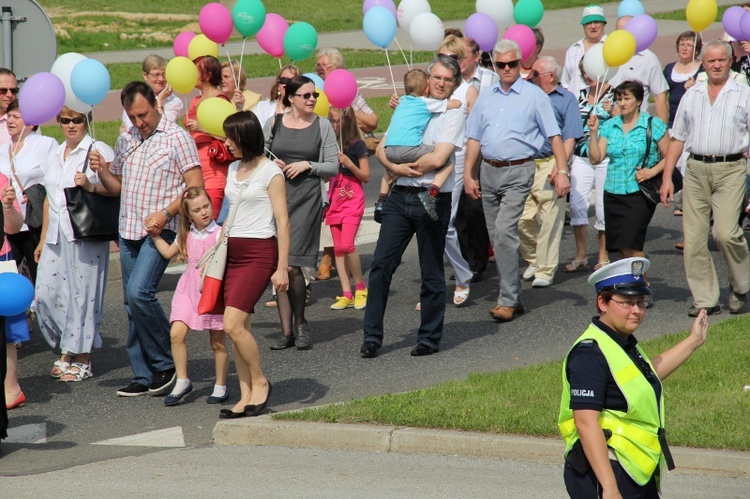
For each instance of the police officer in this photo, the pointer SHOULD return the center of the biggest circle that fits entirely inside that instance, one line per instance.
(612, 408)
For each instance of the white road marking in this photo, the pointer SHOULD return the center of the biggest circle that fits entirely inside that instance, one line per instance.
(168, 437)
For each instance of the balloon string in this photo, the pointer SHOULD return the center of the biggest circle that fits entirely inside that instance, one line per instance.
(391, 70)
(696, 43)
(90, 124)
(273, 156)
(235, 75)
(279, 63)
(411, 55)
(599, 86)
(402, 53)
(242, 53)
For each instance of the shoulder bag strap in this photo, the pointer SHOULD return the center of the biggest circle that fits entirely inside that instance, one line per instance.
(86, 161)
(13, 167)
(648, 143)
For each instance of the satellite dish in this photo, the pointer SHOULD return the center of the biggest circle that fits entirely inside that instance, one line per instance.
(27, 38)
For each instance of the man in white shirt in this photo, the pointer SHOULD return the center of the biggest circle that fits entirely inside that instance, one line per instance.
(8, 93)
(593, 22)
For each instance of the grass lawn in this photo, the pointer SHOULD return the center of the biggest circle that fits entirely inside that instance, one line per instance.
(705, 404)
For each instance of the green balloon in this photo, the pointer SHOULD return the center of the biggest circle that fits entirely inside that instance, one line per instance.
(300, 41)
(248, 16)
(528, 12)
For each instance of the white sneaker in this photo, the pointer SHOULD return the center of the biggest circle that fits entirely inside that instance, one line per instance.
(541, 283)
(529, 272)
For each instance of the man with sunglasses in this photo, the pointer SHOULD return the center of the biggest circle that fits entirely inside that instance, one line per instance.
(509, 127)
(541, 225)
(8, 93)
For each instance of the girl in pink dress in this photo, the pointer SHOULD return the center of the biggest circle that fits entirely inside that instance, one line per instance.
(347, 205)
(197, 234)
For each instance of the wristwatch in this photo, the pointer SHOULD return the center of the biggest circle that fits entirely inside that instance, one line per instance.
(169, 217)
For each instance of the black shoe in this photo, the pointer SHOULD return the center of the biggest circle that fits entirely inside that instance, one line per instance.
(369, 350)
(174, 399)
(229, 414)
(421, 350)
(303, 337)
(694, 311)
(217, 400)
(377, 215)
(286, 341)
(252, 410)
(162, 382)
(476, 276)
(133, 390)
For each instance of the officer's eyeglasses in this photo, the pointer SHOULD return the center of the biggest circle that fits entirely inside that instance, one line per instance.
(628, 305)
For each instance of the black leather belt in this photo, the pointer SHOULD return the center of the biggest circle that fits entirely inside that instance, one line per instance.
(409, 189)
(713, 158)
(503, 164)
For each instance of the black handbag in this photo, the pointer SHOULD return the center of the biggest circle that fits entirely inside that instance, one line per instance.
(35, 195)
(650, 188)
(93, 216)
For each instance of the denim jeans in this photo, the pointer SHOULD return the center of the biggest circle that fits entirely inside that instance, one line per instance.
(404, 216)
(149, 346)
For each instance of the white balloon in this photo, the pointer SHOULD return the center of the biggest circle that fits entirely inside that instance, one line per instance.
(62, 68)
(426, 31)
(409, 9)
(499, 10)
(594, 65)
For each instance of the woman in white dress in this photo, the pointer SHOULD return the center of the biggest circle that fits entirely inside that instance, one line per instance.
(72, 273)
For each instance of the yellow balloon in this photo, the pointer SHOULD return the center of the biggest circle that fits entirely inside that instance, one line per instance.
(618, 48)
(182, 75)
(201, 45)
(211, 114)
(701, 14)
(322, 106)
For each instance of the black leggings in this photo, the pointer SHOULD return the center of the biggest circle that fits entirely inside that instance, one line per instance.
(292, 302)
(23, 245)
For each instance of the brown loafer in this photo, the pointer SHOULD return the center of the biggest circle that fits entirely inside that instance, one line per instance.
(506, 314)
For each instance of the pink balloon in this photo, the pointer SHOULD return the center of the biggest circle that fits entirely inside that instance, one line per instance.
(388, 4)
(483, 29)
(340, 88)
(271, 35)
(181, 43)
(216, 22)
(524, 37)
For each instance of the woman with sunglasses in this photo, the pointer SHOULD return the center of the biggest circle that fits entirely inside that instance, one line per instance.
(612, 408)
(304, 146)
(266, 109)
(154, 74)
(72, 273)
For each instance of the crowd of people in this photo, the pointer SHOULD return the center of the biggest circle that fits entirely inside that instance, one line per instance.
(478, 161)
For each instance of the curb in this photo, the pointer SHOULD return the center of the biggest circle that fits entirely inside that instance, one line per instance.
(266, 431)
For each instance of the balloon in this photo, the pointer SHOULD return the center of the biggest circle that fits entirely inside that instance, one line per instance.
(644, 29)
(528, 12)
(182, 75)
(41, 98)
(90, 81)
(426, 31)
(744, 25)
(701, 14)
(380, 26)
(408, 10)
(215, 21)
(62, 68)
(248, 16)
(388, 4)
(483, 30)
(322, 106)
(630, 8)
(524, 37)
(316, 79)
(271, 35)
(16, 291)
(594, 65)
(200, 46)
(300, 41)
(182, 42)
(618, 48)
(211, 114)
(501, 11)
(731, 22)
(340, 88)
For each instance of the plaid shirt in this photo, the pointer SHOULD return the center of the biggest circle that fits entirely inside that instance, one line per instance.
(152, 174)
(626, 151)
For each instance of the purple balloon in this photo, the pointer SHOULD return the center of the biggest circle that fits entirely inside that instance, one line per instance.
(745, 25)
(483, 29)
(644, 30)
(731, 22)
(41, 98)
(388, 4)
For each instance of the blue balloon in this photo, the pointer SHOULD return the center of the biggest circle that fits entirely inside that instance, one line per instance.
(316, 79)
(630, 8)
(16, 294)
(380, 26)
(90, 81)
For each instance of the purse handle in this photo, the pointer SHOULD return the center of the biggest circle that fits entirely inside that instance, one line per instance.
(644, 165)
(86, 161)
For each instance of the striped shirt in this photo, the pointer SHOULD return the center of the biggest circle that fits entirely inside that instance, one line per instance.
(721, 128)
(152, 173)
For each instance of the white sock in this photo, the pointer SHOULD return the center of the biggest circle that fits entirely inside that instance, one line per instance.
(180, 386)
(219, 391)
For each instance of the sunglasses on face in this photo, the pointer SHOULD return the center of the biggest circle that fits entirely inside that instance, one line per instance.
(283, 80)
(6, 90)
(308, 95)
(536, 74)
(509, 64)
(76, 121)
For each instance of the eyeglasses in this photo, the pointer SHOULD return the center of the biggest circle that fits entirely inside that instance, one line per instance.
(308, 95)
(283, 80)
(76, 121)
(536, 74)
(157, 76)
(324, 66)
(452, 56)
(6, 90)
(628, 305)
(510, 64)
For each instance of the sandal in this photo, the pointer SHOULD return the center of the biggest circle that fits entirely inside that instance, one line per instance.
(461, 297)
(600, 264)
(678, 213)
(59, 368)
(83, 372)
(577, 265)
